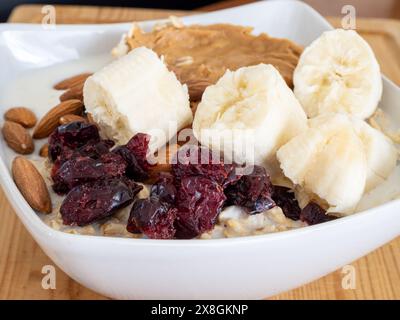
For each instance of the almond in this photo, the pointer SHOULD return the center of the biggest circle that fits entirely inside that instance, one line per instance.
(44, 150)
(71, 118)
(72, 81)
(50, 120)
(73, 93)
(90, 118)
(21, 115)
(17, 137)
(31, 184)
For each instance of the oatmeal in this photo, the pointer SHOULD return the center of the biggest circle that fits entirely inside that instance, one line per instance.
(235, 222)
(193, 200)
(104, 139)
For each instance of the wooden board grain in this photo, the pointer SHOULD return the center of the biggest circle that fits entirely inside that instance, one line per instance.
(66, 14)
(364, 8)
(21, 260)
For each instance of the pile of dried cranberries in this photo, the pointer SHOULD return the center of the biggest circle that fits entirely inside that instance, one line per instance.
(99, 179)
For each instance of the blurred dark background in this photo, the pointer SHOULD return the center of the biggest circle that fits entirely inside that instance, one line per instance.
(7, 5)
(365, 8)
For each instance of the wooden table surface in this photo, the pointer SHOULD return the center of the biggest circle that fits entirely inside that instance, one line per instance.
(21, 259)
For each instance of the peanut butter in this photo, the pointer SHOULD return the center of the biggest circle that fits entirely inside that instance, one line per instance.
(200, 55)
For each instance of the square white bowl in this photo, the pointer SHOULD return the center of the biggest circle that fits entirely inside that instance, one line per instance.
(249, 267)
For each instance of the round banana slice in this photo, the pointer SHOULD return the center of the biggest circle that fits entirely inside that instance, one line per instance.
(338, 72)
(338, 158)
(248, 114)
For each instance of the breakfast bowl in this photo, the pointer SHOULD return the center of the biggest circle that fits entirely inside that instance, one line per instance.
(249, 267)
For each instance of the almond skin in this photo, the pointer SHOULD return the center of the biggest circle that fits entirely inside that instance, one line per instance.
(17, 137)
(31, 184)
(21, 115)
(50, 120)
(89, 118)
(44, 150)
(71, 118)
(73, 93)
(72, 81)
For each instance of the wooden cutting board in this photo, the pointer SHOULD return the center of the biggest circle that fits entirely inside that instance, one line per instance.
(21, 259)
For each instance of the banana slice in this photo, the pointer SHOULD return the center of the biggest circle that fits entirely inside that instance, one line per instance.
(338, 72)
(380, 152)
(248, 114)
(338, 159)
(137, 93)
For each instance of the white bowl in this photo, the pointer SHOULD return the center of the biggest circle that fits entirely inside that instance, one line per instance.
(249, 267)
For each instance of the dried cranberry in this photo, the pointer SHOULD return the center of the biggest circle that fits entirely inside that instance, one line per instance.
(155, 216)
(92, 150)
(66, 154)
(95, 150)
(55, 149)
(252, 191)
(199, 202)
(234, 175)
(164, 189)
(96, 200)
(285, 199)
(56, 166)
(152, 217)
(139, 146)
(72, 135)
(193, 160)
(133, 170)
(312, 213)
(84, 169)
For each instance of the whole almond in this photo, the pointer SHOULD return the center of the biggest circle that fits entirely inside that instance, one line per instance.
(73, 93)
(21, 115)
(50, 120)
(71, 118)
(31, 184)
(72, 81)
(44, 150)
(17, 137)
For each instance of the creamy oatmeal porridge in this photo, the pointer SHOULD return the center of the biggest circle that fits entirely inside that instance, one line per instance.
(206, 132)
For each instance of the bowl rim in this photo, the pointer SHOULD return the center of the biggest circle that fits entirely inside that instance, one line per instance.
(34, 223)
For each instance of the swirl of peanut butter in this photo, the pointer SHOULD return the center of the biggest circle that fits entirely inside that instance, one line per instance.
(200, 54)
